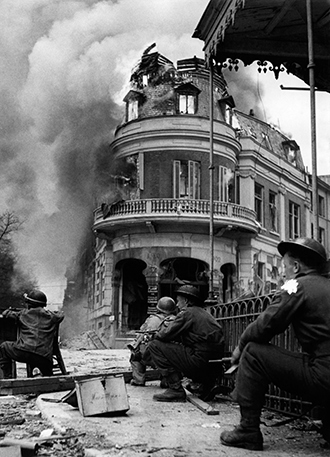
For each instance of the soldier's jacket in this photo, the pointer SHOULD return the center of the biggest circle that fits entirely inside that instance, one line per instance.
(152, 323)
(36, 329)
(196, 328)
(303, 302)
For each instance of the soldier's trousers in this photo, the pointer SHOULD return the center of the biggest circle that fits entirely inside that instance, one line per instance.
(9, 352)
(174, 357)
(298, 373)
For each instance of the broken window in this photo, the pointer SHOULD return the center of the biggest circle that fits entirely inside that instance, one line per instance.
(132, 110)
(186, 179)
(266, 140)
(187, 98)
(225, 178)
(187, 104)
(133, 101)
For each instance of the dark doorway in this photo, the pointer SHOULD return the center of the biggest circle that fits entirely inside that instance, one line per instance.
(177, 271)
(134, 295)
(228, 282)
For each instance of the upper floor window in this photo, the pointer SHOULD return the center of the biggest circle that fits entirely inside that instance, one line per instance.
(294, 220)
(133, 100)
(321, 206)
(187, 98)
(226, 105)
(225, 178)
(132, 110)
(266, 140)
(273, 211)
(259, 202)
(322, 235)
(186, 179)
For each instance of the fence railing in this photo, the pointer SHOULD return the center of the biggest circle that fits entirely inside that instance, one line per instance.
(234, 318)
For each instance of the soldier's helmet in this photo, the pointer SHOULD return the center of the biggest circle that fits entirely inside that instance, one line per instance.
(306, 247)
(36, 298)
(190, 292)
(166, 305)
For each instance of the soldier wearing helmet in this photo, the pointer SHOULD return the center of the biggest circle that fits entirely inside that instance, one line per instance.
(140, 357)
(185, 347)
(36, 331)
(304, 303)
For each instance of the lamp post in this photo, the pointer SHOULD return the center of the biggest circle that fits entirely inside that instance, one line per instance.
(211, 299)
(311, 66)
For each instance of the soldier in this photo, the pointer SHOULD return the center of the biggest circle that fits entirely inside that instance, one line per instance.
(186, 345)
(36, 331)
(140, 357)
(304, 302)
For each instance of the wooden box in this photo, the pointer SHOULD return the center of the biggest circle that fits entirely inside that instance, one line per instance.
(101, 395)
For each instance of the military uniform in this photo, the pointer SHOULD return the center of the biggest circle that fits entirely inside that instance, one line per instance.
(303, 302)
(140, 356)
(34, 344)
(188, 343)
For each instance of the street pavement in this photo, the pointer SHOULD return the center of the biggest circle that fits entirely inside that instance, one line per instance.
(159, 429)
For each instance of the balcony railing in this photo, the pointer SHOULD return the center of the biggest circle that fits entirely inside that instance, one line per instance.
(234, 318)
(163, 207)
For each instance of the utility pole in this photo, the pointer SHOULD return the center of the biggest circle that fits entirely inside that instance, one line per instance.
(311, 67)
(211, 299)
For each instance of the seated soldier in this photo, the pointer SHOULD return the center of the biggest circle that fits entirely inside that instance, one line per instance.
(304, 303)
(186, 345)
(140, 357)
(36, 331)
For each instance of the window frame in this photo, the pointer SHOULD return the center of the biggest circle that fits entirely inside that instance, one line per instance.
(272, 205)
(294, 220)
(192, 179)
(259, 203)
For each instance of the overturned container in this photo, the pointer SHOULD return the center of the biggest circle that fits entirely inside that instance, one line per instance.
(102, 395)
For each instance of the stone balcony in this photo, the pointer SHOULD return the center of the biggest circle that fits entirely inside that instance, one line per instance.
(167, 211)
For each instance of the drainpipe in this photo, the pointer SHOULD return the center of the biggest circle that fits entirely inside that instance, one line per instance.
(311, 66)
(211, 297)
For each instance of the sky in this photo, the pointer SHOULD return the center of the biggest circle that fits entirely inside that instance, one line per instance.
(64, 72)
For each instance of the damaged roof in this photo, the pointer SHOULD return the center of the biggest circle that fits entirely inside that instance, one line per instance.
(273, 31)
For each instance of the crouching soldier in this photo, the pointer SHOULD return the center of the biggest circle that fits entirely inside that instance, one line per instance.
(140, 356)
(185, 347)
(36, 332)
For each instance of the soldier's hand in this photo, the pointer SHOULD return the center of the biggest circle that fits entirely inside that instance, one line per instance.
(236, 355)
(5, 312)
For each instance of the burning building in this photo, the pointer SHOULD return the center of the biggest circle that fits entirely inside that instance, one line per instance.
(154, 235)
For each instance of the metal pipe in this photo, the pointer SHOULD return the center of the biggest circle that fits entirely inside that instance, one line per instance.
(211, 170)
(311, 67)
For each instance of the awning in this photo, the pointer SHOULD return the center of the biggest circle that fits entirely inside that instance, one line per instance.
(272, 32)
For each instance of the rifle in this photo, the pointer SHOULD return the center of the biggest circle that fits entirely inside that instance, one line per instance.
(143, 337)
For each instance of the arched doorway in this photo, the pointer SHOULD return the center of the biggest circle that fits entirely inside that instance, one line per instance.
(228, 282)
(177, 271)
(133, 304)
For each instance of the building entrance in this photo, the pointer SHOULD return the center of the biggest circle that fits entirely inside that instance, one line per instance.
(134, 291)
(178, 271)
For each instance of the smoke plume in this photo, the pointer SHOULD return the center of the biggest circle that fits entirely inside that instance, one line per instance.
(65, 64)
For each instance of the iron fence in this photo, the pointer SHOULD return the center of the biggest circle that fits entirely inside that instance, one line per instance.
(234, 318)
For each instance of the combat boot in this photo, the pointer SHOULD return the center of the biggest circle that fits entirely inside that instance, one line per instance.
(163, 382)
(246, 435)
(175, 391)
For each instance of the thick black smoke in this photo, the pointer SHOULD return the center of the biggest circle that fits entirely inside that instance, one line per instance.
(64, 69)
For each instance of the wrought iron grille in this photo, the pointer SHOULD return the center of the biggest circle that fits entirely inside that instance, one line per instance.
(234, 318)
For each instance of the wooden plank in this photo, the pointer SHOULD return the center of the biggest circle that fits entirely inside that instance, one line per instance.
(202, 405)
(59, 383)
